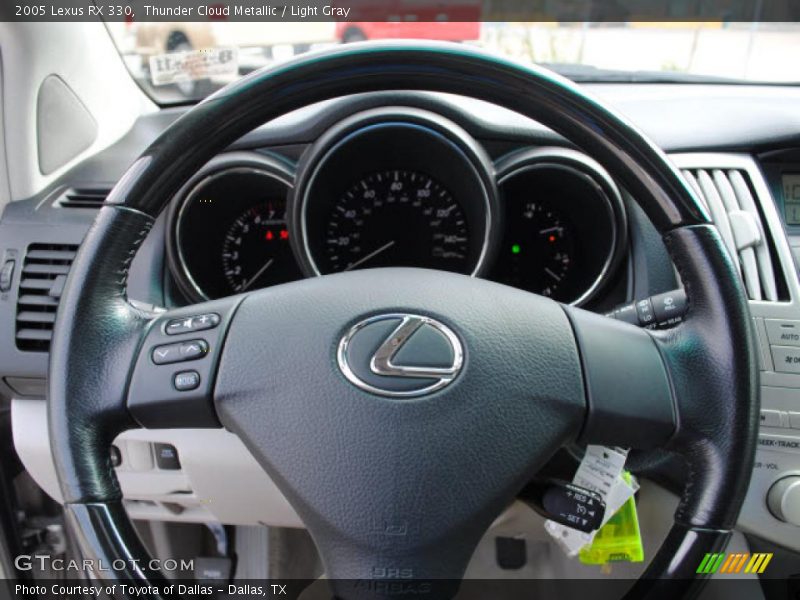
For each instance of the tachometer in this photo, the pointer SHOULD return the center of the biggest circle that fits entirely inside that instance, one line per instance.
(256, 250)
(227, 228)
(396, 218)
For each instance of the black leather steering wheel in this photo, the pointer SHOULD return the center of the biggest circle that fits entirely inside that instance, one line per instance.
(393, 485)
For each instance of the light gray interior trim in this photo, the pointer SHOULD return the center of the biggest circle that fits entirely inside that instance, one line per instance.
(64, 126)
(85, 58)
(208, 487)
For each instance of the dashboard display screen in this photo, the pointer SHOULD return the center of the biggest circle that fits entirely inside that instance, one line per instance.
(791, 198)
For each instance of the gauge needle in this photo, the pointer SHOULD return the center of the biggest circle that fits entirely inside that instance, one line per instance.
(372, 254)
(250, 281)
(553, 275)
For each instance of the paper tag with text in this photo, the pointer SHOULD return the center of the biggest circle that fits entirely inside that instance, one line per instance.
(600, 471)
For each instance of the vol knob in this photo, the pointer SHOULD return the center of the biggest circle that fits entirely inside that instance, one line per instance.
(783, 499)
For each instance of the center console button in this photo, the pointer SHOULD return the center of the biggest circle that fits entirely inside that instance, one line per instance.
(786, 359)
(783, 500)
(794, 420)
(771, 418)
(782, 332)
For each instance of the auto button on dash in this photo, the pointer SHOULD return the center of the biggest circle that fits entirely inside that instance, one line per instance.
(782, 332)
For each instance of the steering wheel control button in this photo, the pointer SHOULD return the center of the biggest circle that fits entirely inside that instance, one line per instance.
(400, 354)
(163, 355)
(178, 326)
(179, 352)
(192, 350)
(566, 503)
(190, 324)
(167, 457)
(786, 359)
(662, 310)
(172, 382)
(669, 307)
(645, 312)
(186, 381)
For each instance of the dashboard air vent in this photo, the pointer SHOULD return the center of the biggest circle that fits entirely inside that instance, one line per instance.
(728, 196)
(83, 197)
(44, 272)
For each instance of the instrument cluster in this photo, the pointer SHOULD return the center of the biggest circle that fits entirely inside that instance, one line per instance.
(398, 187)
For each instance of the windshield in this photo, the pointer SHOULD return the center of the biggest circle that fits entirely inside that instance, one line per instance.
(178, 62)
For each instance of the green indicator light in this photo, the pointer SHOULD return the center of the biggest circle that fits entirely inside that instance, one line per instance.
(515, 249)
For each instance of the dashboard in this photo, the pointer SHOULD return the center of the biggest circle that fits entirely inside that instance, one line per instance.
(399, 186)
(426, 180)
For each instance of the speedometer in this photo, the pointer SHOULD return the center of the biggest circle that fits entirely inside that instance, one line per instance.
(396, 218)
(394, 187)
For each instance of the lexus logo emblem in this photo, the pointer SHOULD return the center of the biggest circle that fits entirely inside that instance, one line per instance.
(399, 354)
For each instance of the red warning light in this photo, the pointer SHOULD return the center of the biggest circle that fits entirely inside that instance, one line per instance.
(284, 234)
(552, 238)
(269, 235)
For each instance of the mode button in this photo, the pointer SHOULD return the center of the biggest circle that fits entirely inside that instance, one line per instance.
(186, 380)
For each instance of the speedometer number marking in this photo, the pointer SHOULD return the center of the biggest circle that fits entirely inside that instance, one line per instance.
(396, 218)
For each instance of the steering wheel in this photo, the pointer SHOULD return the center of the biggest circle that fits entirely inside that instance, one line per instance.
(496, 380)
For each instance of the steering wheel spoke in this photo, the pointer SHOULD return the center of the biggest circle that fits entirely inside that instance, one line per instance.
(175, 369)
(628, 388)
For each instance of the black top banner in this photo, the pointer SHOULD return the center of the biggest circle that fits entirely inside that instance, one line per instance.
(599, 11)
